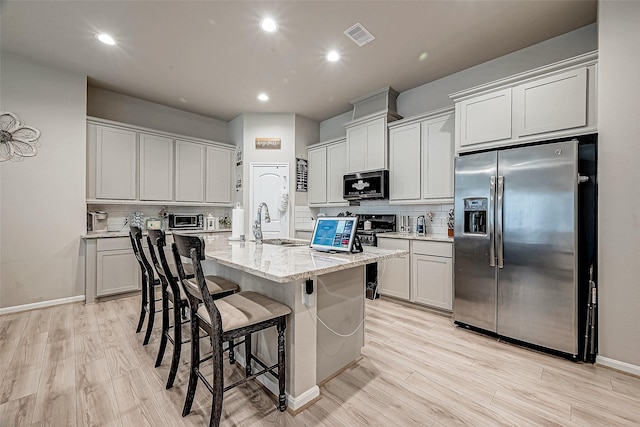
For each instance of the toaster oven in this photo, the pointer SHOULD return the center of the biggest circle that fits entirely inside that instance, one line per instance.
(193, 221)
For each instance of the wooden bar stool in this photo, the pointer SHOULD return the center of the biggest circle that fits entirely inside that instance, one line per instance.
(174, 297)
(149, 282)
(226, 319)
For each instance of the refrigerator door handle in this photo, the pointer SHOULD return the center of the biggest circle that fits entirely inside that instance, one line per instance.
(491, 222)
(499, 222)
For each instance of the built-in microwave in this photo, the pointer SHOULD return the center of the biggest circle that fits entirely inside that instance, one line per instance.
(186, 221)
(366, 185)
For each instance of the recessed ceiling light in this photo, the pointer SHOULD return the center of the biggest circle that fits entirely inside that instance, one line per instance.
(263, 97)
(106, 39)
(333, 56)
(269, 25)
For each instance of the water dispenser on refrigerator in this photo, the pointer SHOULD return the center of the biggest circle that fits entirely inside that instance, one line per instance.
(475, 216)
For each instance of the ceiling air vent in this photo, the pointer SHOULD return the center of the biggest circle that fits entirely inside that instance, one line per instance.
(359, 34)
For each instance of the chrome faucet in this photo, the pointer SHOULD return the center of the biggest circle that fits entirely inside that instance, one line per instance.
(257, 226)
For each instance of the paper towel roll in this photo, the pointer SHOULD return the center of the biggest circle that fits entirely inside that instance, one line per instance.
(237, 222)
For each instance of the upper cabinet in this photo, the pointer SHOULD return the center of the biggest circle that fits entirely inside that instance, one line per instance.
(129, 164)
(554, 101)
(327, 167)
(366, 145)
(114, 151)
(421, 158)
(156, 167)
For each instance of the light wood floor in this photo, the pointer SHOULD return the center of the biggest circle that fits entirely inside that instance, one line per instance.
(83, 365)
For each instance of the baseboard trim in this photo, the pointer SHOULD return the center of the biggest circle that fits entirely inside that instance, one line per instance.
(618, 365)
(41, 304)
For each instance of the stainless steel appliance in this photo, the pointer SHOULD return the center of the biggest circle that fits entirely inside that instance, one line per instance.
(517, 267)
(366, 185)
(181, 221)
(421, 227)
(97, 221)
(369, 226)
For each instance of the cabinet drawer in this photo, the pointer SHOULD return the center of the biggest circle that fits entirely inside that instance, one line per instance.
(393, 243)
(113, 244)
(442, 249)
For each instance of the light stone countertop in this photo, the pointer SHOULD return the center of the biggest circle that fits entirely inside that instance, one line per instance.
(414, 236)
(108, 234)
(286, 264)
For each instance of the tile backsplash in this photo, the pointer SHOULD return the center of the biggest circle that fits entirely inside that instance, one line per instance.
(119, 214)
(437, 226)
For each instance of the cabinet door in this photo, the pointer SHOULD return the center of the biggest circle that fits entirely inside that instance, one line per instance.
(393, 273)
(356, 148)
(115, 163)
(189, 172)
(438, 153)
(317, 175)
(485, 118)
(376, 151)
(156, 167)
(336, 169)
(431, 282)
(117, 272)
(404, 162)
(553, 103)
(218, 175)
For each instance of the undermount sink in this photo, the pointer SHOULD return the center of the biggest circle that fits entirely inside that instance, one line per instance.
(285, 242)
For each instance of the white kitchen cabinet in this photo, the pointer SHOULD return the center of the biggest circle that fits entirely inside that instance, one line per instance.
(404, 162)
(421, 159)
(336, 169)
(117, 269)
(190, 166)
(317, 175)
(550, 102)
(115, 163)
(367, 145)
(394, 273)
(485, 118)
(431, 274)
(327, 167)
(218, 172)
(438, 147)
(156, 167)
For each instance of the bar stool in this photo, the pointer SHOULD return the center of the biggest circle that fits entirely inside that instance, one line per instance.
(148, 283)
(228, 318)
(172, 294)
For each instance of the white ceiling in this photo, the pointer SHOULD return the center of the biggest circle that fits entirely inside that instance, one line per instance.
(211, 57)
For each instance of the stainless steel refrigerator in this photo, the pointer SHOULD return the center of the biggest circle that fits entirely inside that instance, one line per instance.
(516, 240)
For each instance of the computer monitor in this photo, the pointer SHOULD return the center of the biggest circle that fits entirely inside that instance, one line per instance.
(334, 233)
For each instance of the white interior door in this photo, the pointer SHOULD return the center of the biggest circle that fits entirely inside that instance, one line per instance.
(270, 184)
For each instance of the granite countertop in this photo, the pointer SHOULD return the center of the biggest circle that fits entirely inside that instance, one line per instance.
(414, 236)
(285, 264)
(107, 234)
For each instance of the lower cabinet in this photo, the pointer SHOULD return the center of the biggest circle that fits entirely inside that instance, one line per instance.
(425, 276)
(393, 273)
(111, 268)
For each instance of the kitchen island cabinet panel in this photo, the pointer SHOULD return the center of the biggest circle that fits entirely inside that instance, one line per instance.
(190, 166)
(116, 158)
(156, 167)
(117, 272)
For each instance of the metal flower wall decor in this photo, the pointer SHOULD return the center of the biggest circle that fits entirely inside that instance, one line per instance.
(16, 139)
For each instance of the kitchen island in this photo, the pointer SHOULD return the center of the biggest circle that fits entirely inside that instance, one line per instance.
(325, 291)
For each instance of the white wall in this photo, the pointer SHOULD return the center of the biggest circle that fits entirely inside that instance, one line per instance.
(619, 174)
(126, 109)
(43, 197)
